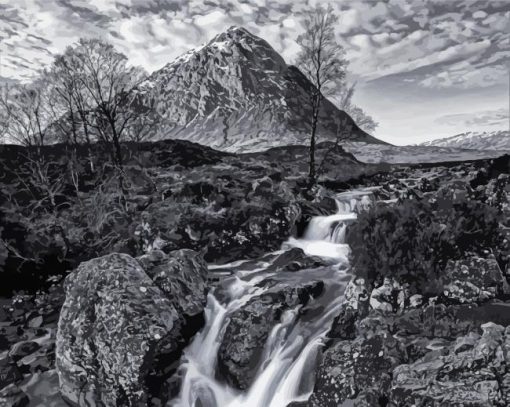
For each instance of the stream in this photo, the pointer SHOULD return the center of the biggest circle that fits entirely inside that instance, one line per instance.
(290, 352)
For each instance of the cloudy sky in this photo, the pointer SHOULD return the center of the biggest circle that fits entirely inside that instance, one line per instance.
(424, 68)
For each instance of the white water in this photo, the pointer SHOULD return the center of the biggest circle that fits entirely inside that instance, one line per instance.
(291, 349)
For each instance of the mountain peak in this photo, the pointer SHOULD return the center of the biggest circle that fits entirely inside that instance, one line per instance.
(237, 93)
(237, 41)
(235, 32)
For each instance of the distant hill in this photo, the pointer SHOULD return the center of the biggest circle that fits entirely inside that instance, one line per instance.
(237, 94)
(374, 153)
(493, 140)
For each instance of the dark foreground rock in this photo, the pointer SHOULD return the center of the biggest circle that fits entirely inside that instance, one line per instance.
(119, 318)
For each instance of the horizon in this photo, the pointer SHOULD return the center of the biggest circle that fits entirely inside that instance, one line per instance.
(423, 73)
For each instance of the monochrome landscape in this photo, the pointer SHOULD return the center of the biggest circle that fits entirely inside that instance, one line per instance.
(223, 204)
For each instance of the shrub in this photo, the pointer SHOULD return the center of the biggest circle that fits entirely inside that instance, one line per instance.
(412, 240)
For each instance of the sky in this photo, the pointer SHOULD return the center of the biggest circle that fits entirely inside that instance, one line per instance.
(424, 69)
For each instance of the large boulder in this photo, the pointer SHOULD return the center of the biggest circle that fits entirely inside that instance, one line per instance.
(358, 371)
(121, 315)
(474, 279)
(249, 327)
(473, 374)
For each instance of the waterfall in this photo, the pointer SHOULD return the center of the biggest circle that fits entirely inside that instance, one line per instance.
(291, 348)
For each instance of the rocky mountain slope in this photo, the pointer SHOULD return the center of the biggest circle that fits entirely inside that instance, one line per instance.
(236, 93)
(487, 140)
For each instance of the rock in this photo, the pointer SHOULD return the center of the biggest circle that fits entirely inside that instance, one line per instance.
(9, 335)
(9, 371)
(344, 323)
(43, 389)
(459, 377)
(467, 342)
(357, 295)
(473, 280)
(385, 297)
(183, 272)
(355, 371)
(295, 259)
(116, 322)
(13, 396)
(35, 322)
(41, 360)
(22, 349)
(249, 327)
(415, 301)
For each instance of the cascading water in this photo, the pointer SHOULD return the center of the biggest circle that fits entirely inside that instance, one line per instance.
(291, 348)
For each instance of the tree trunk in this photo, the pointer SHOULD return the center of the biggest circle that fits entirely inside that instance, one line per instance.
(118, 159)
(311, 167)
(312, 175)
(88, 142)
(73, 126)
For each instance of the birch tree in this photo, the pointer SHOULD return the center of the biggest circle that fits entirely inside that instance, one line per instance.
(322, 60)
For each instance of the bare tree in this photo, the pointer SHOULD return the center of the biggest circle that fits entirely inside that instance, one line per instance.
(67, 74)
(106, 84)
(322, 61)
(25, 116)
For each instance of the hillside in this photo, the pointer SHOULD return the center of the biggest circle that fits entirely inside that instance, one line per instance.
(237, 94)
(387, 153)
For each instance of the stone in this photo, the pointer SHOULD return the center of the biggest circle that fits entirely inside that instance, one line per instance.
(355, 371)
(468, 373)
(116, 322)
(35, 322)
(357, 295)
(9, 371)
(22, 349)
(13, 396)
(473, 280)
(183, 272)
(415, 300)
(382, 298)
(295, 259)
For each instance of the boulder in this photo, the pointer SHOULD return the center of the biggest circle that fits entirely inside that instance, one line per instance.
(119, 318)
(474, 279)
(356, 371)
(471, 375)
(248, 329)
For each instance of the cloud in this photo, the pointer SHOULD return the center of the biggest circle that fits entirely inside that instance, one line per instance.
(488, 118)
(396, 37)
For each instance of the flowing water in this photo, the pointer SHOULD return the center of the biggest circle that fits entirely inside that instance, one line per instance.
(291, 349)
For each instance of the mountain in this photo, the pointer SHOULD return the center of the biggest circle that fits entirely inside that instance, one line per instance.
(493, 140)
(236, 93)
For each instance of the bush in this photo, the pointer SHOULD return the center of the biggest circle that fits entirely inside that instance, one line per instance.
(412, 240)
